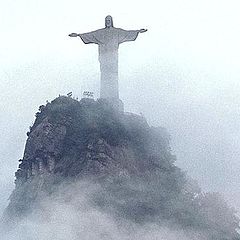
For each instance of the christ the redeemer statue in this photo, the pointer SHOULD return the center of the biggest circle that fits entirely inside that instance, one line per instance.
(108, 40)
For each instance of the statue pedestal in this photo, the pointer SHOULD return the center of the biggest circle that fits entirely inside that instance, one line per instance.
(116, 104)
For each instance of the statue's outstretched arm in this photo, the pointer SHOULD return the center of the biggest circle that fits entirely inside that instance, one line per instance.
(142, 30)
(89, 37)
(128, 35)
(73, 35)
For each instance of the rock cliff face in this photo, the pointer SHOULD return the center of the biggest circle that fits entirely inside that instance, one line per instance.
(72, 140)
(43, 146)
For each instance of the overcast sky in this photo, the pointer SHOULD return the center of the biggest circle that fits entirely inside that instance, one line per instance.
(183, 74)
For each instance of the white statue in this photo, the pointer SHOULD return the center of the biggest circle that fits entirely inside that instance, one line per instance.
(108, 40)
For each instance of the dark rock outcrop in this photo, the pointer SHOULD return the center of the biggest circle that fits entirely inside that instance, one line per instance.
(72, 140)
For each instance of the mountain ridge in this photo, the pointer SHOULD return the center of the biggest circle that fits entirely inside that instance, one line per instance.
(73, 141)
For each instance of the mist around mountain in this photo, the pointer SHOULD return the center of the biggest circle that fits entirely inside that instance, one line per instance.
(90, 172)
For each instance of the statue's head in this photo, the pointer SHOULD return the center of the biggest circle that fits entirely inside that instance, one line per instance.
(108, 21)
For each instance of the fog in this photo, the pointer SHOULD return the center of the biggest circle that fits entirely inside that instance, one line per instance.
(70, 213)
(182, 74)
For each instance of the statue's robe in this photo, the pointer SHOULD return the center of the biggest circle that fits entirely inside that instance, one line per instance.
(108, 40)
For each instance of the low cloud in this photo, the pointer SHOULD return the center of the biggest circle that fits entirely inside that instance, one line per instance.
(71, 214)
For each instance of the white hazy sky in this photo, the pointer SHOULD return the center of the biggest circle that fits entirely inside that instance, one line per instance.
(182, 74)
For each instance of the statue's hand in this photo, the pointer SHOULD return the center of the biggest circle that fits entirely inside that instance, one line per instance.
(73, 35)
(142, 30)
